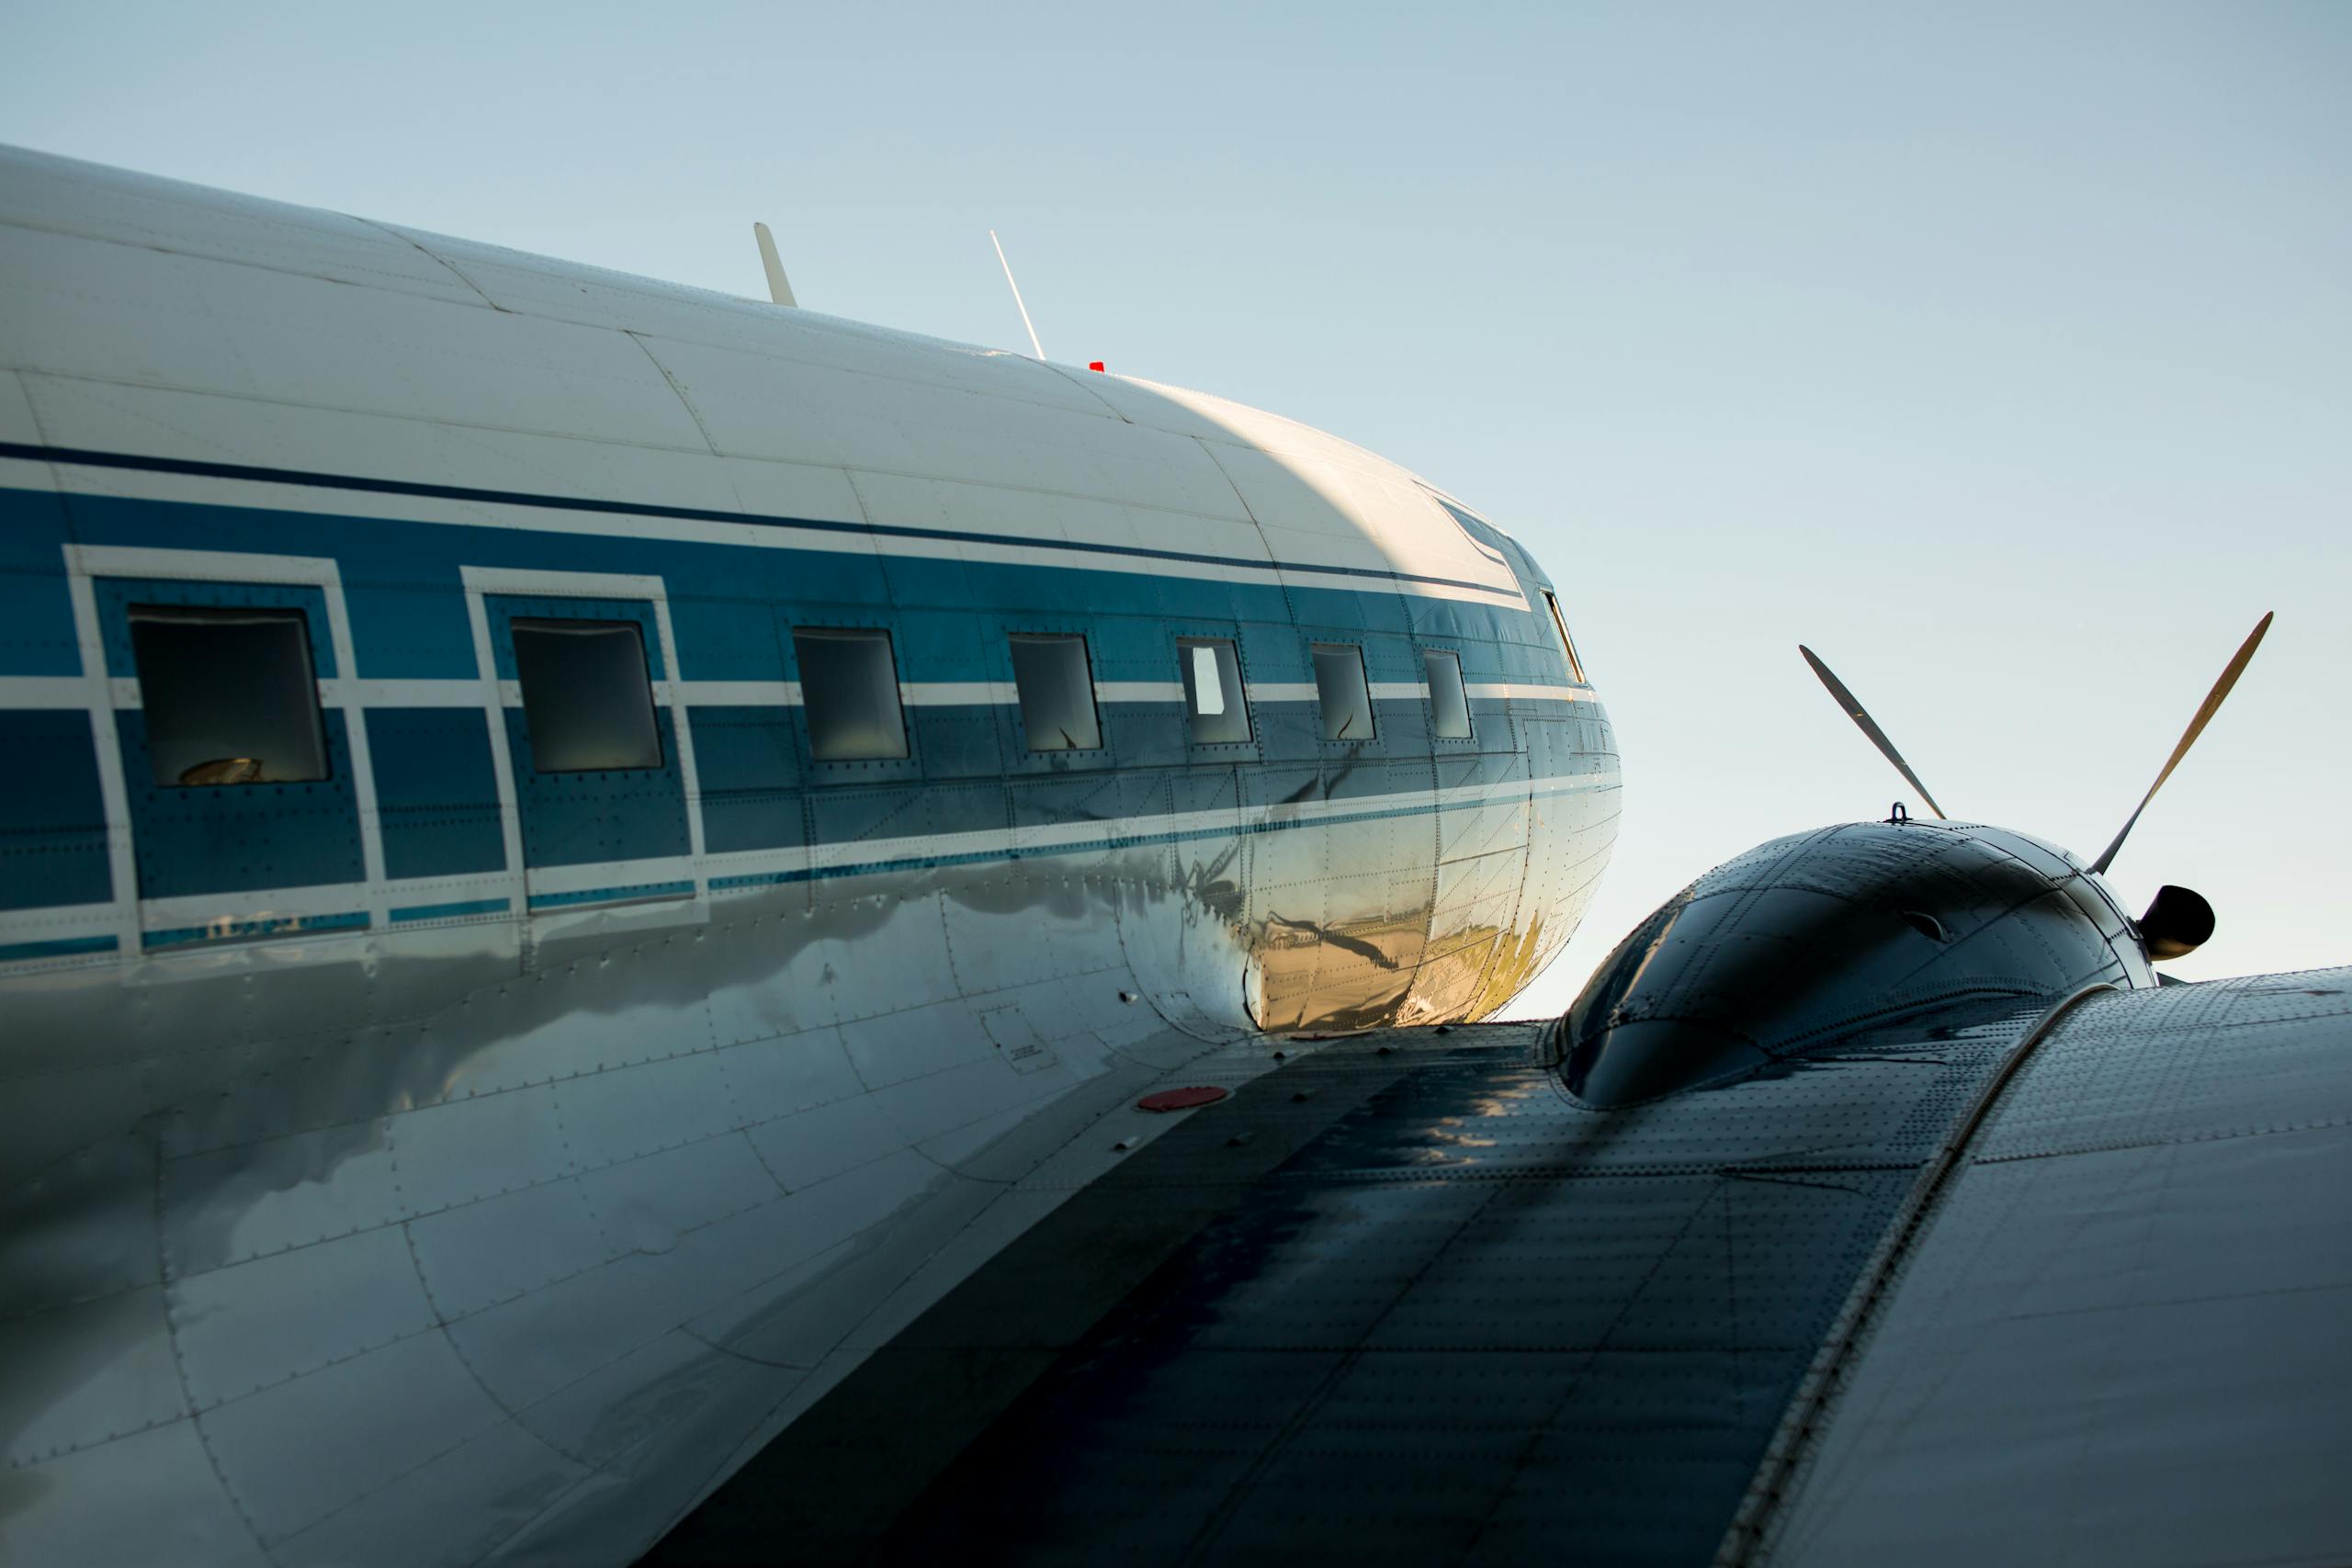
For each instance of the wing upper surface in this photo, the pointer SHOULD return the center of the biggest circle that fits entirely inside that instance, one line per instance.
(2123, 1336)
(1409, 1301)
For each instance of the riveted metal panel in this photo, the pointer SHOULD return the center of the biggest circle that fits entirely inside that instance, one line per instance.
(912, 1043)
(470, 1149)
(94, 1371)
(76, 1508)
(317, 1095)
(775, 1313)
(817, 1144)
(788, 1073)
(2125, 1318)
(126, 209)
(255, 1200)
(83, 1227)
(648, 1205)
(53, 820)
(637, 1418)
(530, 1347)
(253, 1326)
(447, 1512)
(293, 1454)
(620, 1112)
(479, 1254)
(748, 764)
(601, 1417)
(436, 790)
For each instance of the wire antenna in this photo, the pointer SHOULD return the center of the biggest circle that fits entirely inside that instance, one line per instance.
(1017, 295)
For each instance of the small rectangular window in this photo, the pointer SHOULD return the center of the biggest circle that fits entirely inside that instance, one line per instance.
(587, 702)
(1449, 703)
(1057, 694)
(849, 689)
(1559, 622)
(1213, 696)
(228, 694)
(1339, 682)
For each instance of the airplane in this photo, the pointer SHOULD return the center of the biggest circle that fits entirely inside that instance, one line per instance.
(644, 926)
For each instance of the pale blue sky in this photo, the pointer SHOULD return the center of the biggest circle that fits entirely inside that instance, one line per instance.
(2003, 354)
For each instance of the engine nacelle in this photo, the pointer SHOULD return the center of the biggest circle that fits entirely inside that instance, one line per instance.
(1828, 935)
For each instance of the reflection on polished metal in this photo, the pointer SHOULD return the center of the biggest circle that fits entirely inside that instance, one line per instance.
(461, 1150)
(1833, 933)
(419, 1154)
(1432, 1310)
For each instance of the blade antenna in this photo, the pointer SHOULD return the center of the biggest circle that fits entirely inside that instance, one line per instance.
(1016, 294)
(779, 288)
(2205, 711)
(1868, 726)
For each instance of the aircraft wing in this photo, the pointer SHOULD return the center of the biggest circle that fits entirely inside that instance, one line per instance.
(2065, 1283)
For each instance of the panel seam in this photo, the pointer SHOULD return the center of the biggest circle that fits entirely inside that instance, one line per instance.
(1754, 1528)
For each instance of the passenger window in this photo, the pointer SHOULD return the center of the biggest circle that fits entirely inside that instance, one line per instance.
(1212, 691)
(1449, 705)
(586, 700)
(1339, 682)
(1056, 693)
(1576, 665)
(228, 694)
(849, 689)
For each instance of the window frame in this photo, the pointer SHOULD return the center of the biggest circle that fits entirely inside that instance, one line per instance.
(1461, 687)
(1314, 654)
(1014, 639)
(1560, 624)
(516, 625)
(1186, 666)
(138, 611)
(852, 633)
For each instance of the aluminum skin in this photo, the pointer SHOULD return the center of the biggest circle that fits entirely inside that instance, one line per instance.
(442, 1161)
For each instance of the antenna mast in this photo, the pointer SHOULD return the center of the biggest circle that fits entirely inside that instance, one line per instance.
(779, 288)
(1017, 295)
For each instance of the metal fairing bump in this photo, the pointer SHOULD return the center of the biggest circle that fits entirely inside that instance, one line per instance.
(1824, 936)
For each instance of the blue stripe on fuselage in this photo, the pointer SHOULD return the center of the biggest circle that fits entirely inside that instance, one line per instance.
(731, 610)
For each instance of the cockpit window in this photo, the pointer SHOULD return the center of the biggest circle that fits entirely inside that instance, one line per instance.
(1057, 694)
(1449, 703)
(1339, 682)
(586, 700)
(1560, 624)
(849, 689)
(229, 695)
(1212, 697)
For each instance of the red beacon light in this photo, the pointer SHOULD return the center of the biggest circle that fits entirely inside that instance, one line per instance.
(1094, 365)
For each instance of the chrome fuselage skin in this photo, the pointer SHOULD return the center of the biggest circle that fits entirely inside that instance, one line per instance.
(444, 1159)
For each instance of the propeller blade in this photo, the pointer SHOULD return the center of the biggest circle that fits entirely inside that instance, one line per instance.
(1869, 726)
(2205, 713)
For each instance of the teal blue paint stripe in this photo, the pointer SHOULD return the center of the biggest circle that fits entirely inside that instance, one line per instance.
(756, 879)
(231, 931)
(60, 947)
(613, 894)
(451, 911)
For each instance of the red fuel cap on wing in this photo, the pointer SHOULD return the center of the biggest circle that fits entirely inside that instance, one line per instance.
(1180, 1098)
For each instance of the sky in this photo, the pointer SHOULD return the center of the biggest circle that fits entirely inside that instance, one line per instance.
(2003, 354)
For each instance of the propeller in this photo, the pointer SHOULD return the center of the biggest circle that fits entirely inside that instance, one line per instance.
(2205, 711)
(1869, 726)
